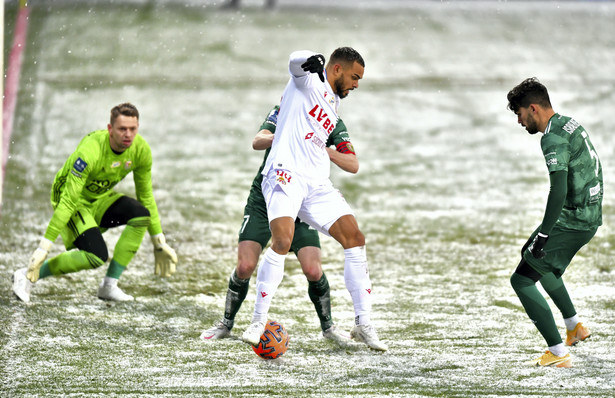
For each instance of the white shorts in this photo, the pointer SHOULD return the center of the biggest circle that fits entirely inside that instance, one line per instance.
(287, 195)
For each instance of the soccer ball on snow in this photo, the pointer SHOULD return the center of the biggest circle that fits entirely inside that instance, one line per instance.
(273, 342)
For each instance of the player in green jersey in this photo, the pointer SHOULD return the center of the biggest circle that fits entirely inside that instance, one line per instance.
(85, 205)
(255, 234)
(573, 214)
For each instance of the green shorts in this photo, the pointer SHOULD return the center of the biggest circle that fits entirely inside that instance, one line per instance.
(86, 217)
(561, 247)
(255, 227)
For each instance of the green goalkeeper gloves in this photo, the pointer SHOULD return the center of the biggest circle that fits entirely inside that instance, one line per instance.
(166, 258)
(37, 259)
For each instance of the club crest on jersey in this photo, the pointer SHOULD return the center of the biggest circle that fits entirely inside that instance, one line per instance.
(128, 164)
(115, 165)
(283, 177)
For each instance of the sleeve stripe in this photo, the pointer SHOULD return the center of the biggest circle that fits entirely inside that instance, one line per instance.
(345, 147)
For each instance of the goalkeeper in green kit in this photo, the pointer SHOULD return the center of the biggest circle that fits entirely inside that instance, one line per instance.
(571, 219)
(85, 205)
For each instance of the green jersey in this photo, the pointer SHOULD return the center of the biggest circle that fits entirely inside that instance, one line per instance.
(566, 147)
(92, 171)
(339, 138)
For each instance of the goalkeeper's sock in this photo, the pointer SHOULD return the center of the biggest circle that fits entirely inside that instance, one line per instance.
(356, 277)
(269, 277)
(130, 239)
(115, 269)
(320, 294)
(44, 272)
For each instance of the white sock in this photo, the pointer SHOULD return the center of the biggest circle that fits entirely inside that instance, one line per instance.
(560, 350)
(571, 322)
(269, 277)
(356, 277)
(108, 281)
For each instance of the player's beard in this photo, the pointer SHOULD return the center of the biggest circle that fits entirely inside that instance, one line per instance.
(339, 87)
(530, 125)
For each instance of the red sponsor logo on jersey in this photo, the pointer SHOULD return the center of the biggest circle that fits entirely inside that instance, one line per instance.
(283, 177)
(309, 135)
(264, 294)
(322, 118)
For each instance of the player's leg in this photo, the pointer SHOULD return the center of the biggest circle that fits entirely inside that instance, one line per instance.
(82, 233)
(563, 244)
(327, 210)
(283, 204)
(523, 282)
(115, 211)
(239, 282)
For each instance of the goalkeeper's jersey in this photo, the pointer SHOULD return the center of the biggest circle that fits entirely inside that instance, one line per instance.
(338, 138)
(92, 171)
(566, 146)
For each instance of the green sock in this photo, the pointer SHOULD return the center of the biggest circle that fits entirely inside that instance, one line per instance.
(536, 308)
(130, 239)
(556, 289)
(73, 261)
(44, 271)
(320, 294)
(235, 295)
(115, 269)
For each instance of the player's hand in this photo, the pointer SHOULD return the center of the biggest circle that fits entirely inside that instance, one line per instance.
(166, 258)
(315, 64)
(537, 246)
(37, 259)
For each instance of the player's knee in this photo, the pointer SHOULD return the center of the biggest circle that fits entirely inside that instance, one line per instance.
(353, 238)
(312, 271)
(95, 260)
(245, 268)
(281, 244)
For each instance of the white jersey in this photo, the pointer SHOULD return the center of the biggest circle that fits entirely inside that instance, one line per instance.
(308, 114)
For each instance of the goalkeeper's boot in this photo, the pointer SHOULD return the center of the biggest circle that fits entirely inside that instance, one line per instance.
(367, 334)
(218, 331)
(22, 286)
(336, 335)
(550, 359)
(579, 333)
(111, 292)
(253, 333)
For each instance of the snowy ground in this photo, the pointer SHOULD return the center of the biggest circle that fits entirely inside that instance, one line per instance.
(448, 190)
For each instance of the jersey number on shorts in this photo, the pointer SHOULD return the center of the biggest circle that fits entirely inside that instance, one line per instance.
(245, 222)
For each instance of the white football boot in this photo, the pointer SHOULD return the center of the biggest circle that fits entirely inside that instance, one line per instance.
(22, 286)
(367, 334)
(336, 335)
(218, 331)
(109, 290)
(253, 333)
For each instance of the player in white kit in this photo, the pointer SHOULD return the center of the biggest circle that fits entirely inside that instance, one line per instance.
(296, 184)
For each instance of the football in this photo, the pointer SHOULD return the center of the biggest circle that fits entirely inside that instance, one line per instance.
(273, 342)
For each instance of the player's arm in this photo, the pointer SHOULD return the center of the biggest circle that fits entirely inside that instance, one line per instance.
(165, 257)
(66, 206)
(344, 159)
(555, 201)
(306, 62)
(262, 140)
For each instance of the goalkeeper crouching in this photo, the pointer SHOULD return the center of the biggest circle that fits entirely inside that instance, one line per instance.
(85, 206)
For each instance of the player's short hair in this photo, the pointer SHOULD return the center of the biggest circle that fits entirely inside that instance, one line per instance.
(125, 109)
(530, 91)
(347, 56)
